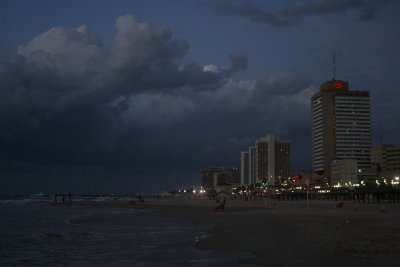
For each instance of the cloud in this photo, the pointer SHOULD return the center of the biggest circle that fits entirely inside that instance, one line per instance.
(281, 84)
(251, 12)
(139, 44)
(135, 108)
(357, 9)
(213, 68)
(71, 50)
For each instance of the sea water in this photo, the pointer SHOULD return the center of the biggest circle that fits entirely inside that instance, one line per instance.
(36, 232)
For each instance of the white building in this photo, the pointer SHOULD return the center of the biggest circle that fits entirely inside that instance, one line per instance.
(344, 173)
(268, 160)
(244, 168)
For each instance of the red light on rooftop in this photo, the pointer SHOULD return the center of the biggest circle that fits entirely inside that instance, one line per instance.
(338, 84)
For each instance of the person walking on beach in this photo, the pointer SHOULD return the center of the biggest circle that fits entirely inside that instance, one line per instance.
(140, 199)
(221, 201)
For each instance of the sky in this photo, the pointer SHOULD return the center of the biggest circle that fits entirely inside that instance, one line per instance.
(138, 96)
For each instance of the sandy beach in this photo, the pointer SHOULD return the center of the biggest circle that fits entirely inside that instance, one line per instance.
(287, 233)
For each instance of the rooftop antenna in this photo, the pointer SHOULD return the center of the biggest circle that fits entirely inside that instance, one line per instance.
(334, 65)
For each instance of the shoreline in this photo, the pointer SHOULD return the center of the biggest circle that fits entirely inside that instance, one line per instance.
(287, 233)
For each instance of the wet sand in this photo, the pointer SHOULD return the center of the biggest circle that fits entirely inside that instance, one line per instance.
(287, 233)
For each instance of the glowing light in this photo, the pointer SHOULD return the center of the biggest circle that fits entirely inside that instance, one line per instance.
(338, 84)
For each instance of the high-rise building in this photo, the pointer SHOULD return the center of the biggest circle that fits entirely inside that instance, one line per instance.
(207, 175)
(268, 160)
(387, 157)
(252, 165)
(227, 175)
(344, 172)
(244, 168)
(212, 176)
(341, 127)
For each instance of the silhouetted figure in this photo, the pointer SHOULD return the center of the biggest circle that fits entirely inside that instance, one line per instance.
(220, 204)
(63, 198)
(69, 197)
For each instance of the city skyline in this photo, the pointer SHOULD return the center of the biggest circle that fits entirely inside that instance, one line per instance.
(141, 95)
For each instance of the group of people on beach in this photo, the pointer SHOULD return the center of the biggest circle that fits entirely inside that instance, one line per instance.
(62, 196)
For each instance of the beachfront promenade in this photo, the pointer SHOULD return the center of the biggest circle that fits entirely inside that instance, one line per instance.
(374, 197)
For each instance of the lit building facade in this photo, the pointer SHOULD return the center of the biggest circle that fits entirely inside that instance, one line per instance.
(268, 160)
(244, 168)
(387, 157)
(341, 127)
(344, 173)
(252, 165)
(207, 175)
(212, 176)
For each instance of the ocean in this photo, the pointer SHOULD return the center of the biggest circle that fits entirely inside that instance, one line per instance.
(36, 232)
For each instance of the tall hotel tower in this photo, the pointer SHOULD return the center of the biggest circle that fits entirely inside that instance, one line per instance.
(266, 161)
(341, 127)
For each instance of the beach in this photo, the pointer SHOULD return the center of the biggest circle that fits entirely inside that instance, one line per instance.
(101, 231)
(288, 233)
(182, 232)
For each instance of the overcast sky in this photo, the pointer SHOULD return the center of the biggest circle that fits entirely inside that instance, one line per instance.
(138, 96)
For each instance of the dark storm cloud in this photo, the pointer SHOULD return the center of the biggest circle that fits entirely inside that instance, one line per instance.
(357, 9)
(281, 84)
(69, 102)
(251, 12)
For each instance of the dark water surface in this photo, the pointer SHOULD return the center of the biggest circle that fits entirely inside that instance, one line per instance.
(38, 233)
